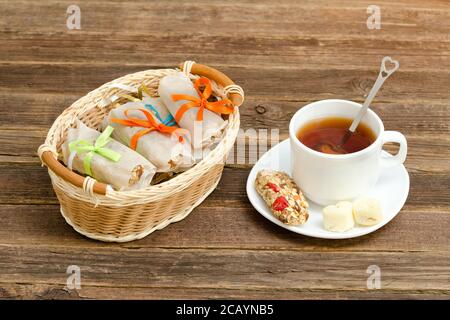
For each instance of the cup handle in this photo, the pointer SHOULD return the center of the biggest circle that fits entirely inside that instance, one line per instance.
(400, 157)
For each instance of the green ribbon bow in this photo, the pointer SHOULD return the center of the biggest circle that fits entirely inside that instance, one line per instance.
(80, 146)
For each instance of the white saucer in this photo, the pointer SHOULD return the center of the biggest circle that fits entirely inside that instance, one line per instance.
(391, 189)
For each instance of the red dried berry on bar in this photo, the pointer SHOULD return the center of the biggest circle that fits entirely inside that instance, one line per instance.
(280, 204)
(282, 196)
(273, 186)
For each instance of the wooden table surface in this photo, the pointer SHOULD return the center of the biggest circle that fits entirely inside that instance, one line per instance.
(285, 54)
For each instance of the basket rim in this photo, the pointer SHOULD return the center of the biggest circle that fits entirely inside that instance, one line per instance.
(216, 156)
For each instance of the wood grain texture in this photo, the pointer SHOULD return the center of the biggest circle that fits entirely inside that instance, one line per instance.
(28, 183)
(213, 226)
(285, 54)
(313, 84)
(283, 18)
(40, 291)
(209, 269)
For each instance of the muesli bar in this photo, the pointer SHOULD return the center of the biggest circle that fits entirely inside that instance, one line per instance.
(282, 196)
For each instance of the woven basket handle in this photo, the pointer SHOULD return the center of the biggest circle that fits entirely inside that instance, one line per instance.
(53, 164)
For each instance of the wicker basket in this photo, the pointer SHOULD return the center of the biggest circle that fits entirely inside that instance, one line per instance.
(95, 209)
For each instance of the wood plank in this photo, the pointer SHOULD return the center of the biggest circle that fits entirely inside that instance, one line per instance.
(231, 226)
(282, 18)
(257, 112)
(26, 145)
(234, 269)
(257, 51)
(310, 84)
(426, 153)
(35, 111)
(407, 118)
(30, 184)
(41, 291)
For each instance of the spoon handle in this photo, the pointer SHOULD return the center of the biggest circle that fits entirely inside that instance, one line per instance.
(382, 76)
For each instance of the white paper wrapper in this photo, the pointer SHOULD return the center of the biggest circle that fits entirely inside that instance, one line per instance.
(160, 107)
(131, 172)
(164, 150)
(202, 133)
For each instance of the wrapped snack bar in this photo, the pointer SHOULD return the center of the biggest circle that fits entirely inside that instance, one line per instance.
(192, 109)
(96, 154)
(147, 127)
(155, 105)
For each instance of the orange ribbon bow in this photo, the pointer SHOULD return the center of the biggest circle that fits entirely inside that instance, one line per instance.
(150, 124)
(221, 106)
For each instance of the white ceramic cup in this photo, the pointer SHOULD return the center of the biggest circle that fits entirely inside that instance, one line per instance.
(328, 178)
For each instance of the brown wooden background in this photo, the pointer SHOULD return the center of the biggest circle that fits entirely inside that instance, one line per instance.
(285, 54)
